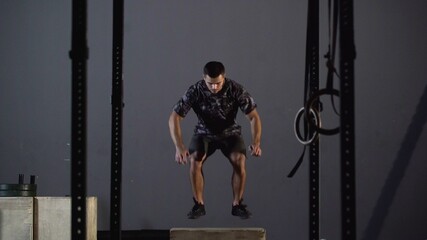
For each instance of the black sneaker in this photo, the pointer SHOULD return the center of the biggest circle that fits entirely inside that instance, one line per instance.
(241, 211)
(197, 211)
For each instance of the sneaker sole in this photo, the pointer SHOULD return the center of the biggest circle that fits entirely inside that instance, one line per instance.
(196, 217)
(242, 217)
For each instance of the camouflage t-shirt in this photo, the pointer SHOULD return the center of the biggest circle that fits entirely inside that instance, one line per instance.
(216, 111)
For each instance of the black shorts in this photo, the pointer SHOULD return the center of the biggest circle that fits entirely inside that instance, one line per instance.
(209, 144)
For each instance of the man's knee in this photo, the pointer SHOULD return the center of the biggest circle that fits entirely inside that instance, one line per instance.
(196, 159)
(237, 159)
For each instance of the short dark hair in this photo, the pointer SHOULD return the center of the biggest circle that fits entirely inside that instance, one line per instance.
(213, 69)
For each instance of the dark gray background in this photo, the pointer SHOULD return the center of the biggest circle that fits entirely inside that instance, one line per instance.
(262, 44)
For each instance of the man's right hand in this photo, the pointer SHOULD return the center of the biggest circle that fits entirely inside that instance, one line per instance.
(181, 155)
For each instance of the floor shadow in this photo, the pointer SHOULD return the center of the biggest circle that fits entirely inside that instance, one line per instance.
(397, 172)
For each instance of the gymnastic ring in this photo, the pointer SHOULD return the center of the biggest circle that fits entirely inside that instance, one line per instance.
(296, 126)
(309, 105)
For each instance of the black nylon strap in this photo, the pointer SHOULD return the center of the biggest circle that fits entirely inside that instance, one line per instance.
(330, 56)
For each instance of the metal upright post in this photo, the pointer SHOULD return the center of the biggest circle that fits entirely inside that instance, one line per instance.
(313, 61)
(79, 56)
(116, 121)
(347, 56)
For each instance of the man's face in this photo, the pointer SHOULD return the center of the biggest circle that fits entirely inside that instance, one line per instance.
(214, 84)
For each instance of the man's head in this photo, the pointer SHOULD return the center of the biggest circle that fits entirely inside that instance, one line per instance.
(213, 69)
(214, 76)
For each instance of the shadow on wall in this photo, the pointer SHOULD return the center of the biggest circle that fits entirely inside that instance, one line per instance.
(398, 170)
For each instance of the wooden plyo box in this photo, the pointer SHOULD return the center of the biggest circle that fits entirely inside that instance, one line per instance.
(217, 233)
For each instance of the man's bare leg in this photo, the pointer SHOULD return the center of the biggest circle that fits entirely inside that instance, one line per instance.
(238, 178)
(197, 184)
(196, 176)
(238, 181)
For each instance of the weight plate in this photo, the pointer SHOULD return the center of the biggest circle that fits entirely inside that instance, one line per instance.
(15, 193)
(18, 187)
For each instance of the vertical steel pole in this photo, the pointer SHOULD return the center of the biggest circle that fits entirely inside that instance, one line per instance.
(347, 56)
(116, 121)
(79, 56)
(313, 61)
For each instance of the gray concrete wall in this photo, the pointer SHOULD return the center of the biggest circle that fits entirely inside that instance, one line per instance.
(262, 44)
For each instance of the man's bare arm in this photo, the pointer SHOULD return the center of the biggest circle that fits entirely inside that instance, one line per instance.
(255, 121)
(176, 135)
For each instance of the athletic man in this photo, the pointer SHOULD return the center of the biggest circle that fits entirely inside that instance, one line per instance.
(216, 100)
